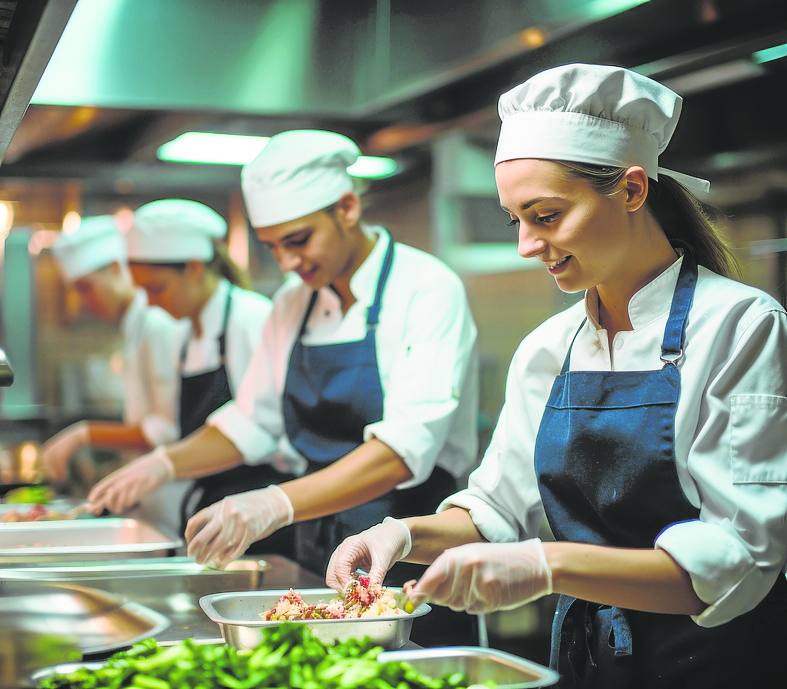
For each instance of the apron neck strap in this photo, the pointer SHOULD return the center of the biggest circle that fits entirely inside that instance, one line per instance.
(675, 331)
(373, 312)
(222, 336)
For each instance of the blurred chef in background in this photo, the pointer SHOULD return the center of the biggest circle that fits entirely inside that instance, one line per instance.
(93, 260)
(176, 255)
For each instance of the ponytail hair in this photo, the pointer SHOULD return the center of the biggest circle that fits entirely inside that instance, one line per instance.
(685, 220)
(222, 264)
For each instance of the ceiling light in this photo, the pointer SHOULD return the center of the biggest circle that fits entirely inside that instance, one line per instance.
(777, 52)
(238, 149)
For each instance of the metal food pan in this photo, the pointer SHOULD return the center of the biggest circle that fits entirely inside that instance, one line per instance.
(478, 665)
(238, 617)
(86, 539)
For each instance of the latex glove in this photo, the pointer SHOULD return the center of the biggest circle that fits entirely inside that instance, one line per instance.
(58, 450)
(376, 550)
(125, 487)
(482, 577)
(220, 533)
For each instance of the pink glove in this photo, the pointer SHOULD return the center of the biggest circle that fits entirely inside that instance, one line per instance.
(220, 533)
(377, 550)
(58, 450)
(482, 577)
(125, 487)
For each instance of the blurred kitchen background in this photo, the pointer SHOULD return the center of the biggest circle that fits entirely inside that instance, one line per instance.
(100, 100)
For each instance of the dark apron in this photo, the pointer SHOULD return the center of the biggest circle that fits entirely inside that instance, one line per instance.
(605, 461)
(200, 396)
(331, 393)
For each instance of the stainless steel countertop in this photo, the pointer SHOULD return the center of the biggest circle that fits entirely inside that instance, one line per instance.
(176, 595)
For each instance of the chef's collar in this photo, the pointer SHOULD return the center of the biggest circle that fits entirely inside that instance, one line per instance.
(363, 284)
(130, 322)
(649, 303)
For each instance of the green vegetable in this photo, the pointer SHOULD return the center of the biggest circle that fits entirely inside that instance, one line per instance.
(287, 657)
(31, 495)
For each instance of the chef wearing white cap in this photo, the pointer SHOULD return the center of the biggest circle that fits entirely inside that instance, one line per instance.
(646, 423)
(93, 260)
(366, 373)
(175, 254)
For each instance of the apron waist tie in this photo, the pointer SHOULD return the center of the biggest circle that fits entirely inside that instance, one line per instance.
(574, 628)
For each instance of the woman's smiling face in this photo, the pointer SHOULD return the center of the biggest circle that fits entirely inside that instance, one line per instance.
(582, 237)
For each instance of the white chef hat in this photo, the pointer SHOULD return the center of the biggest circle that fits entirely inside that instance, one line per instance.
(297, 173)
(95, 244)
(592, 114)
(174, 231)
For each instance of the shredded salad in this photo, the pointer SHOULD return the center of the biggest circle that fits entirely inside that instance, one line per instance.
(361, 599)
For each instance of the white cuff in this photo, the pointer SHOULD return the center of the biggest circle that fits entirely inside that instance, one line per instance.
(160, 453)
(252, 441)
(492, 525)
(158, 430)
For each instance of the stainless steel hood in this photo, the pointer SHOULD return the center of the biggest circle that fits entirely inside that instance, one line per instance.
(29, 34)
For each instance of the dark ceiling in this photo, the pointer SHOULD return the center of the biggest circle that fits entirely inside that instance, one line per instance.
(735, 112)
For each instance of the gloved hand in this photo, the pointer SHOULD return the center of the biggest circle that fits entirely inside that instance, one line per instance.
(377, 550)
(58, 450)
(220, 533)
(125, 487)
(482, 577)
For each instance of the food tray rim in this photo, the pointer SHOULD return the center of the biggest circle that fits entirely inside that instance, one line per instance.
(206, 603)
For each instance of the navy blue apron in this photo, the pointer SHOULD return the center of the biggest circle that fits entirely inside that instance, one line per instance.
(200, 396)
(605, 461)
(331, 393)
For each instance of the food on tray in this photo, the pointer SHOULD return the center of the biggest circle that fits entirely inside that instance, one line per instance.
(38, 495)
(361, 599)
(287, 656)
(37, 513)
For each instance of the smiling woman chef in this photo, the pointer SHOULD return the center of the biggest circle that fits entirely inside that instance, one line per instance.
(175, 255)
(646, 423)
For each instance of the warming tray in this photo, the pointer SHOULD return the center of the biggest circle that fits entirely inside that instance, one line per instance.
(238, 617)
(478, 664)
(86, 539)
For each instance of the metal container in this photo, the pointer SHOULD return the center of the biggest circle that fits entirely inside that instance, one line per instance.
(22, 653)
(479, 665)
(100, 622)
(238, 617)
(85, 539)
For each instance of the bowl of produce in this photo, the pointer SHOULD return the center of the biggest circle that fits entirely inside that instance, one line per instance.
(363, 610)
(290, 655)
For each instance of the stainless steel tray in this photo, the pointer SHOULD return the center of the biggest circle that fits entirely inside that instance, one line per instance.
(87, 539)
(238, 617)
(478, 664)
(99, 621)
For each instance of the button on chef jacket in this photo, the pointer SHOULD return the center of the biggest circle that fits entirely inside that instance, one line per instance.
(151, 341)
(426, 356)
(730, 426)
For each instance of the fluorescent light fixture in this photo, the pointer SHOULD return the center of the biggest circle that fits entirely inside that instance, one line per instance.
(713, 77)
(776, 52)
(238, 149)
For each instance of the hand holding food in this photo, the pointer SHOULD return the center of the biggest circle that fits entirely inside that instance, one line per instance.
(58, 450)
(376, 550)
(482, 577)
(220, 533)
(125, 487)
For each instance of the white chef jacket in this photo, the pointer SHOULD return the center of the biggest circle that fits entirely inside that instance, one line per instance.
(730, 431)
(248, 313)
(426, 356)
(151, 340)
